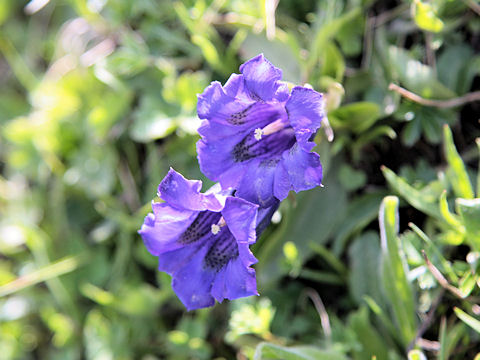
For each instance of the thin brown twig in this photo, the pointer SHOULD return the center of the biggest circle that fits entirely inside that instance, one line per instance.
(473, 5)
(441, 279)
(462, 100)
(322, 312)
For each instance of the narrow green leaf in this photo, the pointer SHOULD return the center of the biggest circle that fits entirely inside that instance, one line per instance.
(450, 218)
(469, 210)
(457, 173)
(420, 201)
(442, 339)
(269, 351)
(51, 271)
(477, 141)
(395, 280)
(467, 319)
(373, 343)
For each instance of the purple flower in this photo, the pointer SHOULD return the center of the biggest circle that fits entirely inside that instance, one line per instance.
(202, 241)
(257, 136)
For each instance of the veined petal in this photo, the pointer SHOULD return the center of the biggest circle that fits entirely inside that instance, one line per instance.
(161, 230)
(257, 182)
(234, 282)
(192, 283)
(217, 106)
(261, 78)
(241, 218)
(183, 193)
(305, 109)
(299, 170)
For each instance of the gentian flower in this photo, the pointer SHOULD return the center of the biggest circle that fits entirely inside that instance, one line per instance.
(202, 241)
(257, 136)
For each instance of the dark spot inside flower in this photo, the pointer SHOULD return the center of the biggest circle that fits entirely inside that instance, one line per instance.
(200, 227)
(223, 249)
(238, 118)
(271, 145)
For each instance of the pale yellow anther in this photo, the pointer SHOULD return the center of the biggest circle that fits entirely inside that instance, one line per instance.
(215, 229)
(258, 133)
(273, 127)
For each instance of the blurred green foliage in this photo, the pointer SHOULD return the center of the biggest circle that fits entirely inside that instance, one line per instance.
(98, 100)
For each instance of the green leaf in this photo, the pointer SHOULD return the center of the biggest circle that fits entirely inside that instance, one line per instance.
(372, 342)
(469, 210)
(356, 117)
(425, 17)
(308, 221)
(456, 168)
(422, 201)
(350, 178)
(267, 351)
(150, 121)
(415, 76)
(394, 271)
(467, 319)
(278, 52)
(364, 260)
(360, 212)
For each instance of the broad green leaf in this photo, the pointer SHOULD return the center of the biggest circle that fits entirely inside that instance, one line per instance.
(360, 212)
(421, 201)
(469, 210)
(150, 121)
(307, 222)
(456, 171)
(425, 17)
(364, 261)
(350, 178)
(333, 63)
(394, 271)
(467, 319)
(327, 31)
(452, 67)
(280, 53)
(372, 342)
(415, 76)
(267, 351)
(356, 117)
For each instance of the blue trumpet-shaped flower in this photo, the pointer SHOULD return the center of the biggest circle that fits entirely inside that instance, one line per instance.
(257, 136)
(202, 241)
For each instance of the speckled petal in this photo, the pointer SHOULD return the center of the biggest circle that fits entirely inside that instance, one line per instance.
(261, 78)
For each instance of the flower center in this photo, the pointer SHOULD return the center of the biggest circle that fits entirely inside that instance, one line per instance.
(266, 142)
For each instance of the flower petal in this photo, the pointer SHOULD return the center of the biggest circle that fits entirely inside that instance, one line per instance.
(193, 282)
(261, 78)
(305, 109)
(299, 170)
(241, 218)
(185, 194)
(161, 230)
(257, 182)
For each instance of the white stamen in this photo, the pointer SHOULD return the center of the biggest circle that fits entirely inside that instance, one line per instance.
(258, 133)
(215, 229)
(273, 127)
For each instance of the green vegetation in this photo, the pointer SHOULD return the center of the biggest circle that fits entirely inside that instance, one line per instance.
(98, 100)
